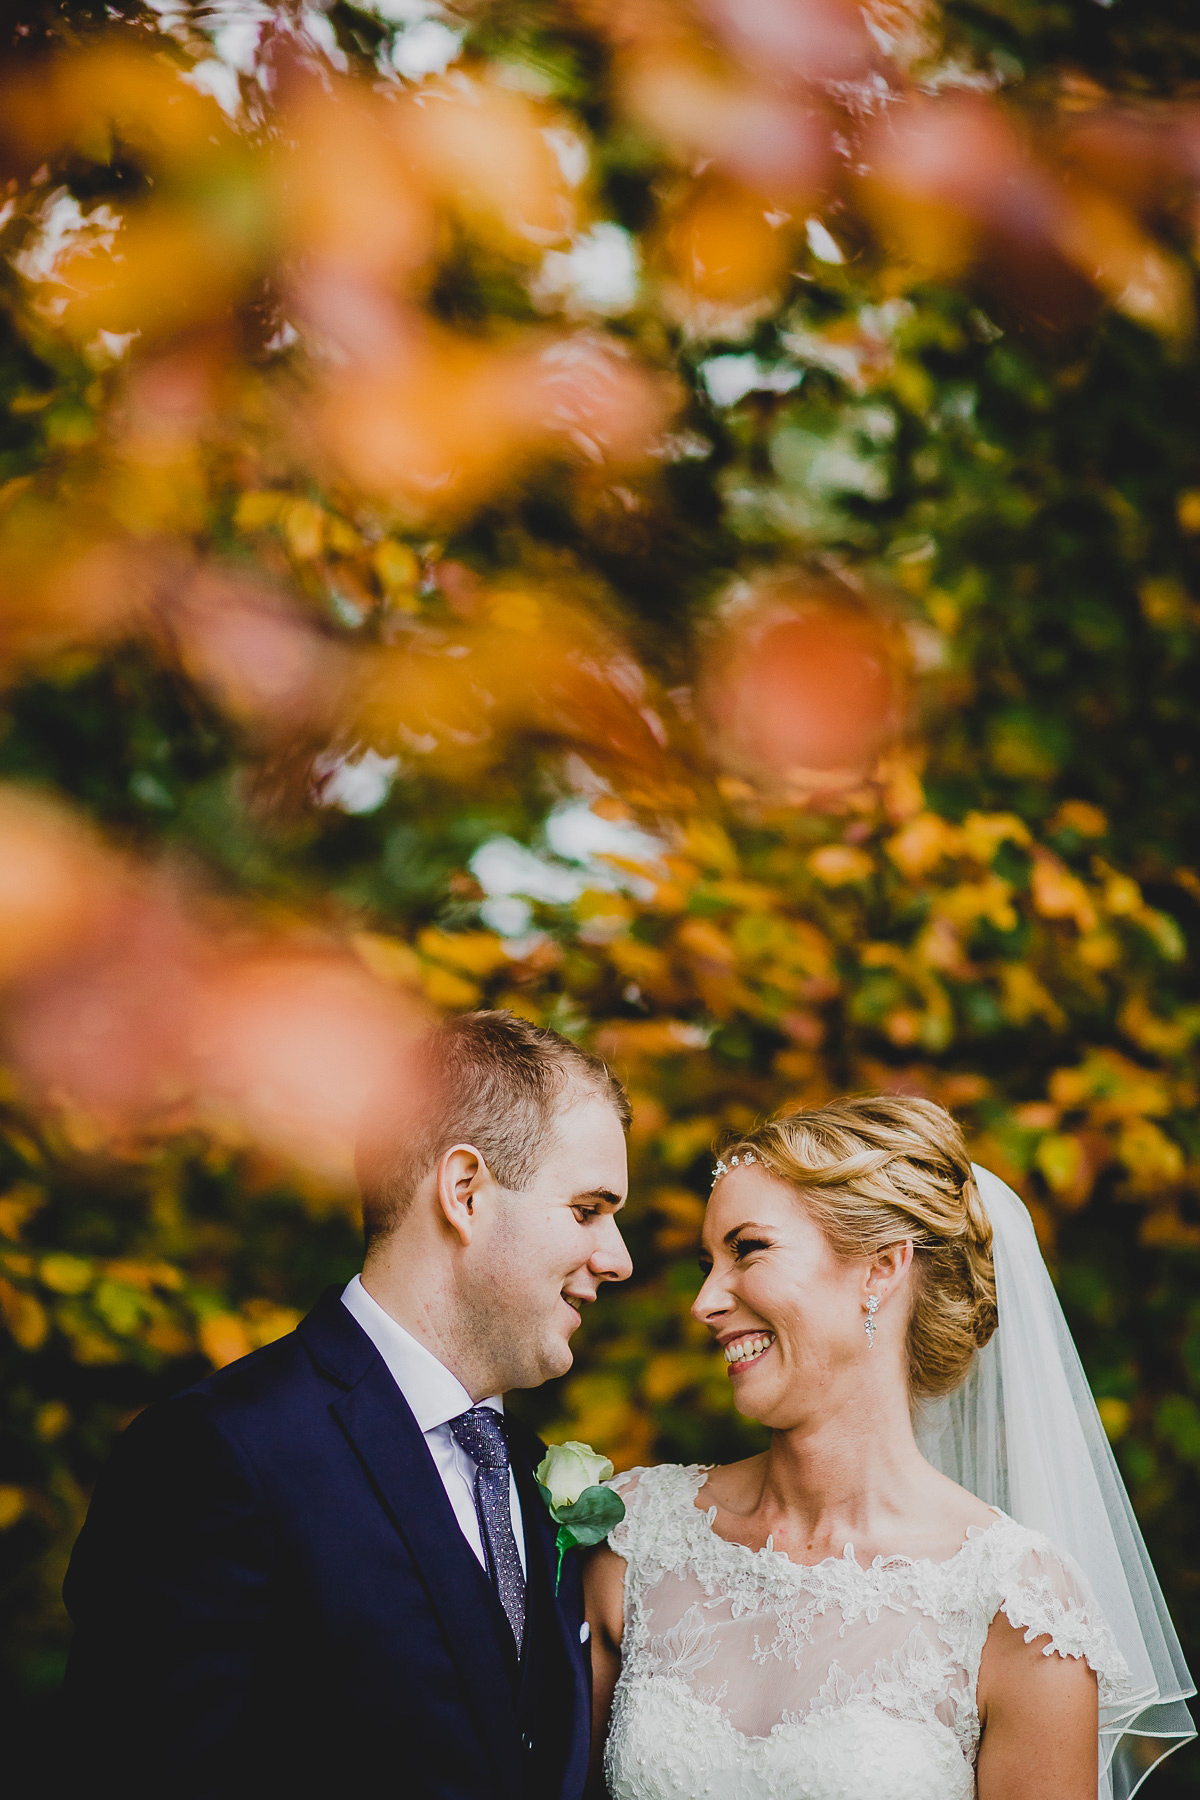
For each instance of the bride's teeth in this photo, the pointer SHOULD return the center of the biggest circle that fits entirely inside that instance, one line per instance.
(749, 1348)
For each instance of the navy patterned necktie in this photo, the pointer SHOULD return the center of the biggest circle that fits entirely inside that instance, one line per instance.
(481, 1435)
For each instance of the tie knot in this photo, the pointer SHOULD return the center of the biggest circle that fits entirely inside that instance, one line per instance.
(481, 1434)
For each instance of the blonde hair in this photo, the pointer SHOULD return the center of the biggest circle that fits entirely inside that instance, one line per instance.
(879, 1168)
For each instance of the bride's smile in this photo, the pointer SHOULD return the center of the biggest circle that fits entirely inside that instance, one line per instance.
(742, 1348)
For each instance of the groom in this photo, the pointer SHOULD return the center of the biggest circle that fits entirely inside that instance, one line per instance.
(326, 1570)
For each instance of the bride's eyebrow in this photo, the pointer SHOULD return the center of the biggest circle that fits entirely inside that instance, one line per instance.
(730, 1236)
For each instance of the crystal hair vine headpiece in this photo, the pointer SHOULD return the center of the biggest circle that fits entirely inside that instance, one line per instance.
(723, 1167)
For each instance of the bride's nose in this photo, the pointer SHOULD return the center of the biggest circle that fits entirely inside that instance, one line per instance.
(712, 1301)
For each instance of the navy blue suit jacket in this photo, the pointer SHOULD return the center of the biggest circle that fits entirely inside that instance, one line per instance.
(272, 1595)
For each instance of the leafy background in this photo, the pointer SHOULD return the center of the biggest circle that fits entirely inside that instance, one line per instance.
(1003, 913)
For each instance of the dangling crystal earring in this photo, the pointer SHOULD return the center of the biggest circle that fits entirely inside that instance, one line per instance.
(869, 1321)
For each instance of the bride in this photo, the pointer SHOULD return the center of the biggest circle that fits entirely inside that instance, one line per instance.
(930, 1586)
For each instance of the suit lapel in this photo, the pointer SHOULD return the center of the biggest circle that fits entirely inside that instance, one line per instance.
(391, 1447)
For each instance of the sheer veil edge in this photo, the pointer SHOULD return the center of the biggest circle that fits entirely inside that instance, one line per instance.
(1023, 1433)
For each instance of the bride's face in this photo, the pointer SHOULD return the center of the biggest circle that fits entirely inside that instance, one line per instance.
(785, 1309)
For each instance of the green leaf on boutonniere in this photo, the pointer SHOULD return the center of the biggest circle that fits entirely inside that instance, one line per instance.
(584, 1522)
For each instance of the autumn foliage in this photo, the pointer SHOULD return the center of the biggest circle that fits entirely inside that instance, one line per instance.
(680, 520)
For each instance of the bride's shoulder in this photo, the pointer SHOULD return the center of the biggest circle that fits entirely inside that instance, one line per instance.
(652, 1483)
(654, 1495)
(1013, 1552)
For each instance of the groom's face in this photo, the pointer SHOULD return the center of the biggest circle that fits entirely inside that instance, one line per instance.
(547, 1251)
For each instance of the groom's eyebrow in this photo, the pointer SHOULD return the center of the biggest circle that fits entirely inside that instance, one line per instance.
(603, 1195)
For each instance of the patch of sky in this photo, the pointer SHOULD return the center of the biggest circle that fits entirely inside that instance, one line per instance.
(356, 784)
(219, 80)
(843, 461)
(425, 47)
(730, 378)
(63, 226)
(571, 155)
(822, 242)
(598, 274)
(512, 875)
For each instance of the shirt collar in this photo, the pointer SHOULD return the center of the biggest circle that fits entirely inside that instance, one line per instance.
(434, 1395)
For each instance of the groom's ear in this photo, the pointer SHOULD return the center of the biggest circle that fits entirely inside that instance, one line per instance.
(461, 1174)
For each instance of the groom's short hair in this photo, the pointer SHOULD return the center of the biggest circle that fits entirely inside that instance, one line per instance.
(490, 1079)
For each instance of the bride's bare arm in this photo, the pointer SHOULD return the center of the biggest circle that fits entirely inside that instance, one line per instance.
(1039, 1719)
(604, 1598)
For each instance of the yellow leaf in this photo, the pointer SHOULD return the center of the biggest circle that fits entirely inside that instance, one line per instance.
(1098, 949)
(397, 568)
(839, 864)
(1165, 931)
(983, 833)
(1115, 1415)
(1060, 1159)
(168, 1338)
(1152, 1158)
(1112, 1086)
(64, 1274)
(1187, 510)
(1081, 817)
(1025, 998)
(304, 529)
(989, 899)
(17, 1206)
(51, 1420)
(1122, 895)
(683, 1141)
(340, 535)
(266, 1322)
(478, 953)
(388, 958)
(1165, 1037)
(636, 961)
(923, 842)
(517, 611)
(24, 1316)
(223, 1339)
(703, 939)
(259, 508)
(682, 1213)
(668, 1373)
(452, 992)
(709, 846)
(12, 1505)
(1057, 894)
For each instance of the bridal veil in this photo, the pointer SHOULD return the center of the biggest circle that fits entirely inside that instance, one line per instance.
(1023, 1433)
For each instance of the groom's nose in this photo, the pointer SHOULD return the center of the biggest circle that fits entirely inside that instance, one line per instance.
(610, 1260)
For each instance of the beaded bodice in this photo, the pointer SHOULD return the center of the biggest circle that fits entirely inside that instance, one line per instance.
(746, 1676)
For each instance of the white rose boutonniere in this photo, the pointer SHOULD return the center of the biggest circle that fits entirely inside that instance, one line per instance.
(569, 1479)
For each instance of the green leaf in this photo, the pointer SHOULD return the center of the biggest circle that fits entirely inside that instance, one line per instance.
(592, 1516)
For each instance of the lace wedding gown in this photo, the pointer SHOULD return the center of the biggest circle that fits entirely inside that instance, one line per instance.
(746, 1676)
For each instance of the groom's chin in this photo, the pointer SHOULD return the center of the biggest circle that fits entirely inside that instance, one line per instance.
(558, 1360)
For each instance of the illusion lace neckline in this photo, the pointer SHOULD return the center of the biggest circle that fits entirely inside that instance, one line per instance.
(848, 1559)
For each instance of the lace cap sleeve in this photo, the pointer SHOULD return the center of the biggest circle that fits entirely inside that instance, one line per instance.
(629, 1484)
(1044, 1594)
(655, 1501)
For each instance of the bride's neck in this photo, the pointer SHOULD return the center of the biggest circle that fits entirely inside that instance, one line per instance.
(845, 1471)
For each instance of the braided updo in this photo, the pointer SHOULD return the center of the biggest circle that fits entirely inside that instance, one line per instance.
(880, 1168)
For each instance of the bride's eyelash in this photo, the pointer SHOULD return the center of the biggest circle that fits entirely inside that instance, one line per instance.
(743, 1246)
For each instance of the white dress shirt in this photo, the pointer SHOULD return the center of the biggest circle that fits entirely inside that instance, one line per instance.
(434, 1396)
